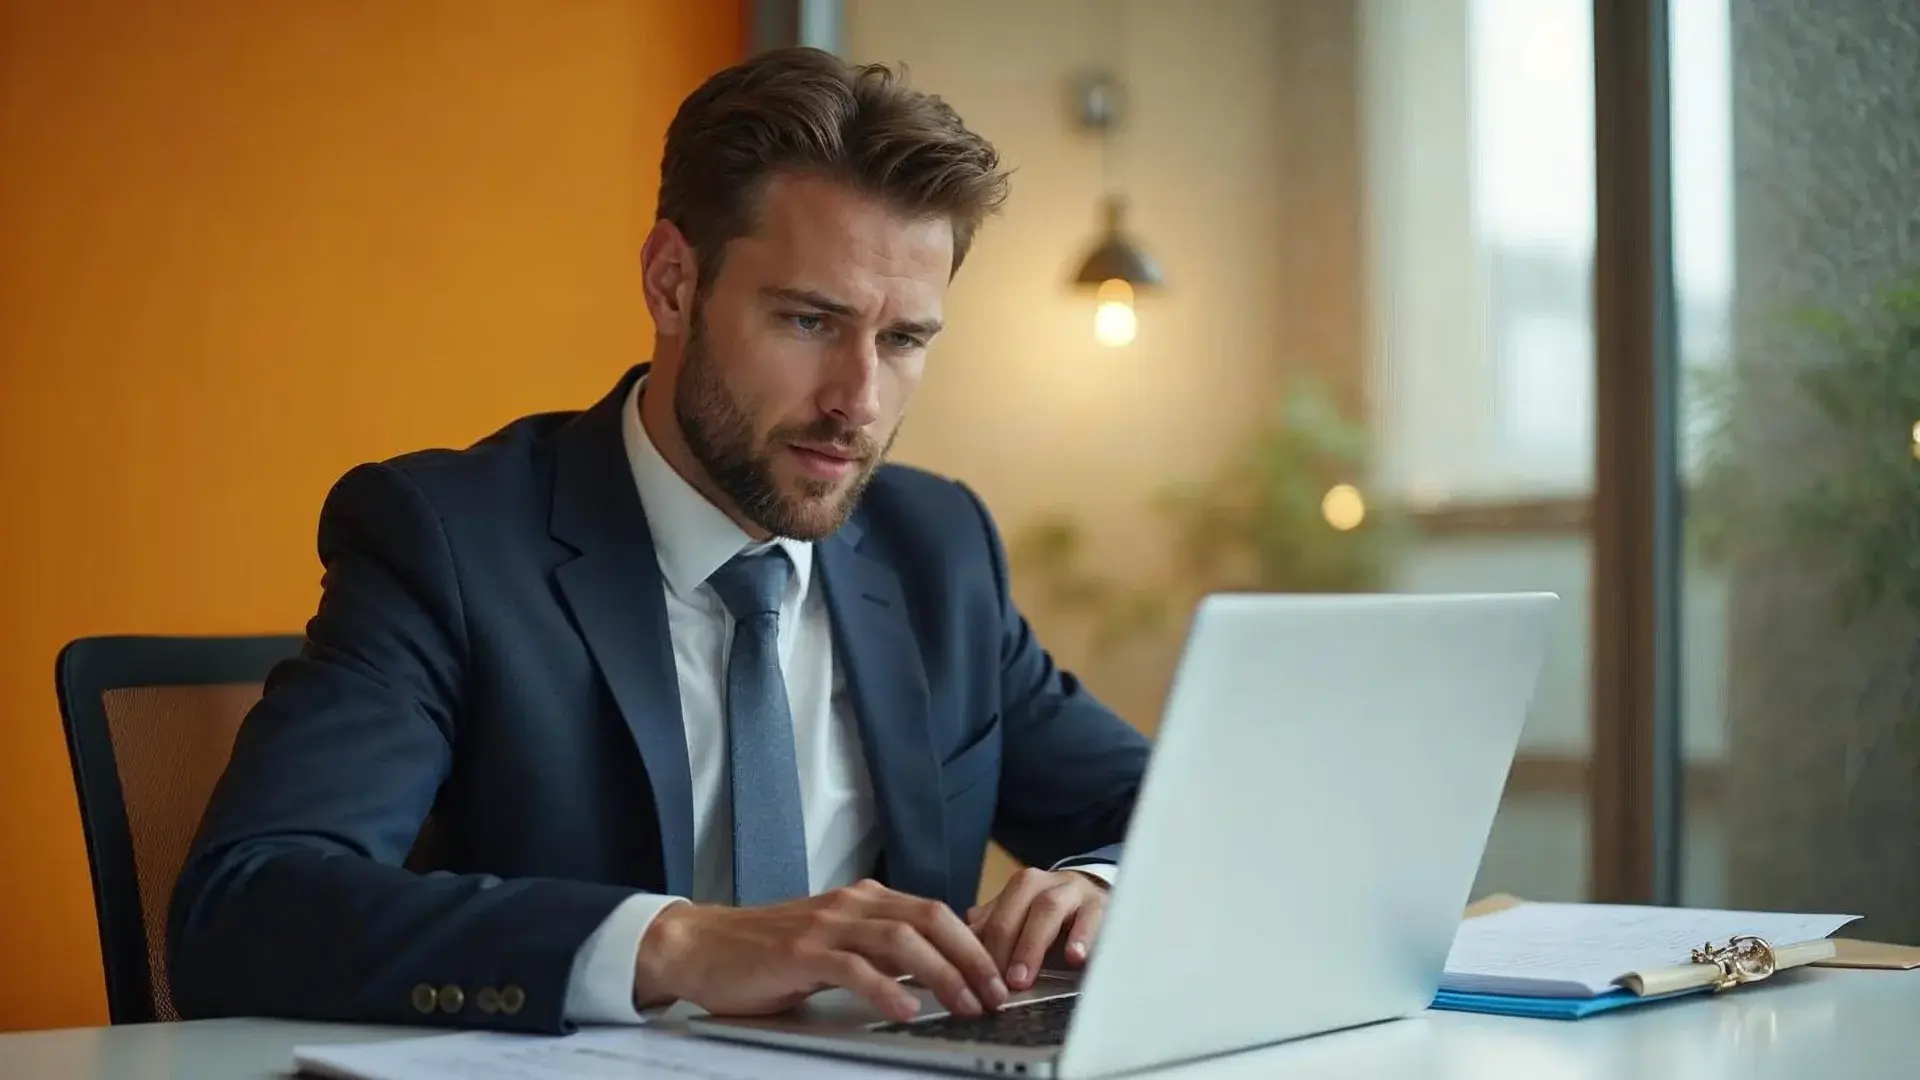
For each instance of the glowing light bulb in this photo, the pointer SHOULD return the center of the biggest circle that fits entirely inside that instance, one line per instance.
(1916, 440)
(1114, 323)
(1343, 507)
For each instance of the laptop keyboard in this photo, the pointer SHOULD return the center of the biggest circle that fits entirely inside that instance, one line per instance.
(1042, 1023)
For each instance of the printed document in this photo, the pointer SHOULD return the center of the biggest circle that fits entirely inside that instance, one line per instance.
(593, 1054)
(1582, 950)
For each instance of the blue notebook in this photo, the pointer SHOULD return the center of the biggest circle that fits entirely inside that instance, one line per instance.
(1546, 1008)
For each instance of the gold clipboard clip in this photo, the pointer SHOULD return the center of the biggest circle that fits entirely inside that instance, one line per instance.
(1743, 959)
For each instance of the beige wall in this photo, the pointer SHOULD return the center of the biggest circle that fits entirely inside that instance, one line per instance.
(1019, 400)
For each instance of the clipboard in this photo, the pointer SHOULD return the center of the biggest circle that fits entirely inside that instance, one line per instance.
(1577, 989)
(1846, 953)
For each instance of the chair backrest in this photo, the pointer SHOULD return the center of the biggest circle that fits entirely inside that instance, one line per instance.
(150, 724)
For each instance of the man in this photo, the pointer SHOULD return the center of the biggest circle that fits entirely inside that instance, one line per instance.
(685, 697)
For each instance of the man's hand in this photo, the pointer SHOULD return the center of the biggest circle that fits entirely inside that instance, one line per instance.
(1023, 925)
(761, 960)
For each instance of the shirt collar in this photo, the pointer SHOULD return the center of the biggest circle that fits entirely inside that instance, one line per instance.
(691, 536)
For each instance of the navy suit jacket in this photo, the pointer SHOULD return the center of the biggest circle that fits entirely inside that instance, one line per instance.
(480, 752)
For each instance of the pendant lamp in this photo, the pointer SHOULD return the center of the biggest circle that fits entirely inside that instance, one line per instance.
(1116, 269)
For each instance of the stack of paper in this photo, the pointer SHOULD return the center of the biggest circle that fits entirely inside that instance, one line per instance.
(1572, 960)
(606, 1054)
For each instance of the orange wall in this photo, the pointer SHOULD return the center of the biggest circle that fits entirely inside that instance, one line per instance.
(244, 246)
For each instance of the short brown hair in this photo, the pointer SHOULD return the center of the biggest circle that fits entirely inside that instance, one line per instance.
(803, 110)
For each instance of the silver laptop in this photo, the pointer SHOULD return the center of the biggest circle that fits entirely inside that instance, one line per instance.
(1314, 812)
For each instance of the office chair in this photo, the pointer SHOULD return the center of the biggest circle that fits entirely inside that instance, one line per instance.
(150, 724)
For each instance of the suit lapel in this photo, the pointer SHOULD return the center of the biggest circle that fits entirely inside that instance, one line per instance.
(880, 655)
(613, 587)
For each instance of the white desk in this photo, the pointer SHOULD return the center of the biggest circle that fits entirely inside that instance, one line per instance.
(1861, 1025)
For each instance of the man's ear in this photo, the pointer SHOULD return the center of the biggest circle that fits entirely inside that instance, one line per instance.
(669, 274)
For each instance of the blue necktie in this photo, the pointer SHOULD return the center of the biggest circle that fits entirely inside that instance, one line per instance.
(769, 836)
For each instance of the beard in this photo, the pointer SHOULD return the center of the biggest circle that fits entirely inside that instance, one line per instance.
(718, 427)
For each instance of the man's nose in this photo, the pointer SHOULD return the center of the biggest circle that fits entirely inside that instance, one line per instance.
(853, 393)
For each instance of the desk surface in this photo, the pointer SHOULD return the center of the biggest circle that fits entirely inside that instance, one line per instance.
(1858, 1024)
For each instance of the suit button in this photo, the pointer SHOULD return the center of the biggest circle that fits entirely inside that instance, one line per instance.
(512, 999)
(452, 998)
(488, 1000)
(424, 998)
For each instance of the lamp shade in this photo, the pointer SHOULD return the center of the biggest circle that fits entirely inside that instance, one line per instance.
(1116, 257)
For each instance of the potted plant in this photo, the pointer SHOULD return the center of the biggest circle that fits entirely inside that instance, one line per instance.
(1847, 498)
(1285, 513)
(1857, 492)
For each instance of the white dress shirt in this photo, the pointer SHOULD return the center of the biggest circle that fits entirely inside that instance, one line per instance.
(692, 538)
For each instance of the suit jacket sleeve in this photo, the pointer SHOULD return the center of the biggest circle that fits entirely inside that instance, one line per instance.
(1071, 768)
(294, 900)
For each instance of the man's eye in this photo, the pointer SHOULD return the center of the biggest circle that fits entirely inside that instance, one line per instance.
(903, 342)
(807, 324)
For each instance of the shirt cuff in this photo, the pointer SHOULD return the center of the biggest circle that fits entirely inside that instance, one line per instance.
(1103, 872)
(600, 989)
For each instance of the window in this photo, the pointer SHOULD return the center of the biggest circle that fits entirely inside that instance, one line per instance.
(1481, 164)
